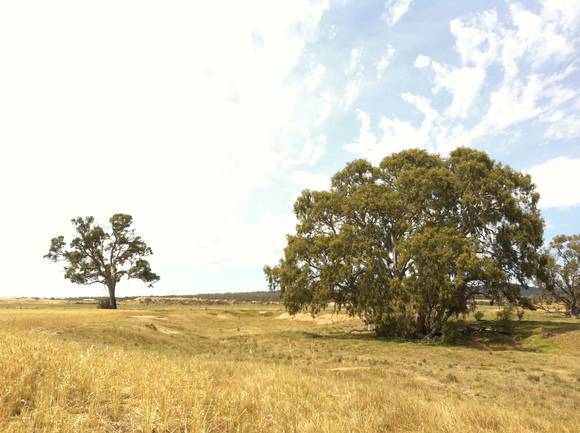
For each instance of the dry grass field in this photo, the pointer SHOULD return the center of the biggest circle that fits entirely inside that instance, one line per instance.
(68, 368)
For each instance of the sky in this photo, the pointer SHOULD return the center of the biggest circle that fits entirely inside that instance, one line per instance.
(205, 120)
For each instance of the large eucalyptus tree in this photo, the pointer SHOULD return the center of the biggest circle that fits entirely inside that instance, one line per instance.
(103, 256)
(409, 243)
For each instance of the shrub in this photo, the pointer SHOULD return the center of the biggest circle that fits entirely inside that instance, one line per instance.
(529, 303)
(504, 322)
(452, 331)
(478, 316)
(401, 325)
(520, 314)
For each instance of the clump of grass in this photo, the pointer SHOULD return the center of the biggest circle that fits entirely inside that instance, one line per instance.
(451, 378)
(533, 378)
(505, 320)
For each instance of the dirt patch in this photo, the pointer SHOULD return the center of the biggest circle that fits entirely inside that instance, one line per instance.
(162, 329)
(348, 368)
(145, 317)
(48, 331)
(167, 331)
(266, 313)
(428, 381)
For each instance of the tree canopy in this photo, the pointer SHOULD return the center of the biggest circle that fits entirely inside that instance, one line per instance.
(411, 242)
(561, 279)
(99, 256)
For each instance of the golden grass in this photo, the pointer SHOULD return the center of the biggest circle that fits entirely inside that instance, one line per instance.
(242, 369)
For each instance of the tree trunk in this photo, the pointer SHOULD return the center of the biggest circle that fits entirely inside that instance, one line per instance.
(421, 325)
(112, 298)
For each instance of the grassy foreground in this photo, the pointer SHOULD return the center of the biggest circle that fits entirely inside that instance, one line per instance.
(76, 369)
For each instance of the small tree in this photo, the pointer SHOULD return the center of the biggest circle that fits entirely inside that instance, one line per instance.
(561, 281)
(99, 256)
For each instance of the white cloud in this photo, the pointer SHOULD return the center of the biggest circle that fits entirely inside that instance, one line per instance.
(563, 126)
(422, 61)
(424, 106)
(464, 84)
(557, 181)
(315, 77)
(313, 148)
(539, 97)
(351, 92)
(564, 12)
(241, 243)
(326, 105)
(366, 142)
(170, 112)
(312, 181)
(354, 73)
(395, 9)
(385, 61)
(510, 104)
(520, 46)
(396, 134)
(541, 35)
(476, 44)
(354, 66)
(476, 38)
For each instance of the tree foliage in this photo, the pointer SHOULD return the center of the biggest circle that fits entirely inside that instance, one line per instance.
(409, 243)
(561, 279)
(99, 256)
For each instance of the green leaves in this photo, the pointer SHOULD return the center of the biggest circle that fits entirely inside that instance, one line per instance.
(96, 255)
(141, 270)
(561, 280)
(56, 247)
(409, 243)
